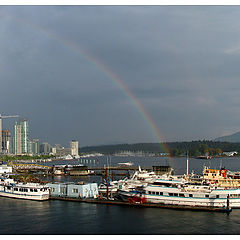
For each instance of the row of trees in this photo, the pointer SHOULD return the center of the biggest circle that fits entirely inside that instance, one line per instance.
(23, 157)
(195, 148)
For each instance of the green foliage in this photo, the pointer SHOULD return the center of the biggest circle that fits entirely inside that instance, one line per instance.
(24, 157)
(195, 148)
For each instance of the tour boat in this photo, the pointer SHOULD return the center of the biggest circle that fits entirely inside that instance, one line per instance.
(30, 191)
(184, 193)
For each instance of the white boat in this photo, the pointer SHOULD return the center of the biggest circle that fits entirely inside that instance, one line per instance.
(183, 193)
(126, 164)
(30, 191)
(140, 178)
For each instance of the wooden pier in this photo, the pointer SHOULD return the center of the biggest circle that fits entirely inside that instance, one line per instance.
(143, 205)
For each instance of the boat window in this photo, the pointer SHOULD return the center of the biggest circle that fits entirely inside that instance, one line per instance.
(25, 190)
(153, 193)
(162, 184)
(181, 195)
(157, 193)
(161, 193)
(31, 190)
(206, 196)
(170, 194)
(75, 190)
(217, 196)
(149, 192)
(175, 194)
(15, 189)
(53, 189)
(8, 187)
(35, 190)
(190, 195)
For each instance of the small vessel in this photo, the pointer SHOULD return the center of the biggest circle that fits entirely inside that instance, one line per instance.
(30, 191)
(126, 164)
(204, 157)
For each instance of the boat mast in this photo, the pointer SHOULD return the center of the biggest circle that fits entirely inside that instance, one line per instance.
(187, 163)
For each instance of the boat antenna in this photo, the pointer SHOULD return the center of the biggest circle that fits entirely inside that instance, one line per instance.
(187, 163)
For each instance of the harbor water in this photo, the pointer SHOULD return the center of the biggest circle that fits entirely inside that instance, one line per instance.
(63, 217)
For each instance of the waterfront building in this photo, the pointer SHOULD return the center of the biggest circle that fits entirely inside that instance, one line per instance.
(54, 151)
(89, 190)
(63, 152)
(21, 140)
(74, 148)
(6, 138)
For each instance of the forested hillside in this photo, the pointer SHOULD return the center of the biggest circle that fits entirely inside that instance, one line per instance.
(195, 148)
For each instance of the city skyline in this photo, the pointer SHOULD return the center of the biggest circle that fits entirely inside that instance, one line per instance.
(121, 74)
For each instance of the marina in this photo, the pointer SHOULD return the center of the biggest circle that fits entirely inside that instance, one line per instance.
(156, 187)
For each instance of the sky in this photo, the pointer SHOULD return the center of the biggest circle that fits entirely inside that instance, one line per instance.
(121, 74)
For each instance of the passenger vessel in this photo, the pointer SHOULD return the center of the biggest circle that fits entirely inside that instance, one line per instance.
(184, 193)
(30, 191)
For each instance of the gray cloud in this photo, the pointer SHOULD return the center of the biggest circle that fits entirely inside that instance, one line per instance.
(181, 63)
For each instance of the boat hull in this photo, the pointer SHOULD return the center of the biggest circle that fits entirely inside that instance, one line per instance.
(25, 196)
(181, 201)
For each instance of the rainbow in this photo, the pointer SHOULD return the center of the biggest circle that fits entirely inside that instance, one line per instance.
(108, 72)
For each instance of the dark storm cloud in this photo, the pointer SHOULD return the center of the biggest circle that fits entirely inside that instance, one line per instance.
(182, 64)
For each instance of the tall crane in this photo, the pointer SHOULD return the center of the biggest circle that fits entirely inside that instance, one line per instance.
(3, 117)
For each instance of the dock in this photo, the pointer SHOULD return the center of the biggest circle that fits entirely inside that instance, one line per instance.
(143, 205)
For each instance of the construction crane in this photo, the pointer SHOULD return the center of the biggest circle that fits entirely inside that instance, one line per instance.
(3, 117)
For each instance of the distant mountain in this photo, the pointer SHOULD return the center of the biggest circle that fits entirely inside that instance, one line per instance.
(235, 138)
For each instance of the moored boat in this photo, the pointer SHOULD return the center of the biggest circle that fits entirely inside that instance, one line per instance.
(184, 193)
(30, 191)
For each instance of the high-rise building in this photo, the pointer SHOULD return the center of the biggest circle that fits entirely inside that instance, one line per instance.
(45, 148)
(21, 140)
(6, 137)
(74, 147)
(34, 146)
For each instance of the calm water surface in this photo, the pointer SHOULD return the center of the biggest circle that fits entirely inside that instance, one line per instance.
(61, 217)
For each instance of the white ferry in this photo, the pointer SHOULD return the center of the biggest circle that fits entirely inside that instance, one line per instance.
(30, 191)
(183, 193)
